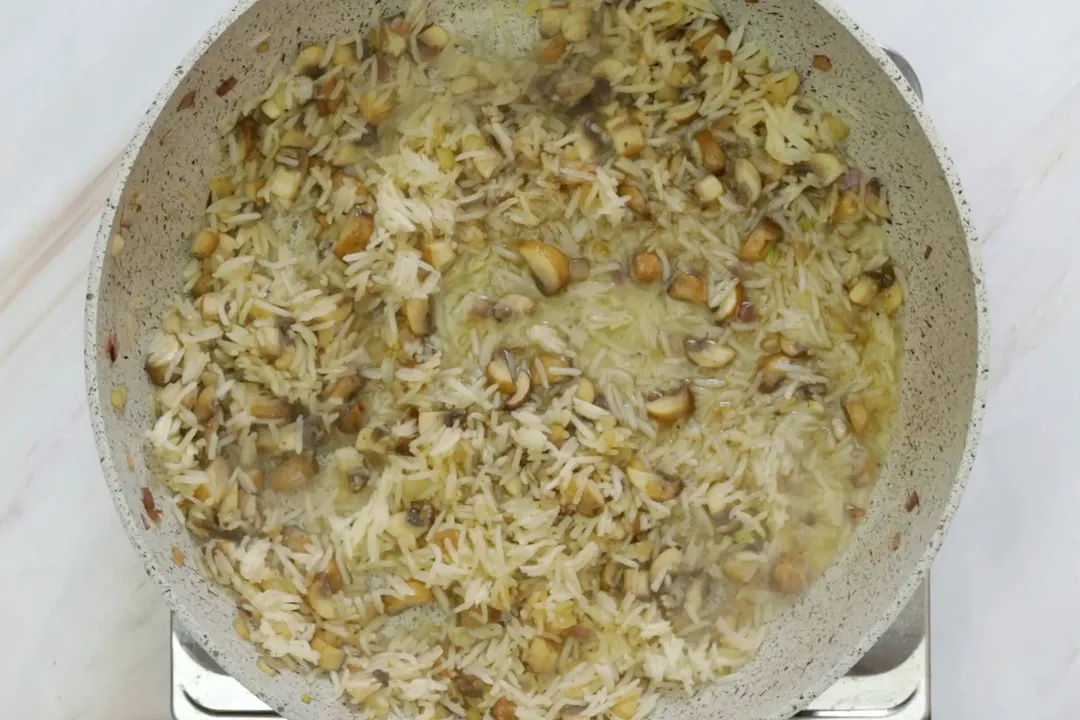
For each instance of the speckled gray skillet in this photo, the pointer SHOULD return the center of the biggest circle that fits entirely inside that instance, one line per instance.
(945, 359)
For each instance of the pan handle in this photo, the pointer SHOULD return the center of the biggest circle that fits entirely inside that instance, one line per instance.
(906, 70)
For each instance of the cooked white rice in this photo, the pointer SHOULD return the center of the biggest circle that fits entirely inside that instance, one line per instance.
(495, 389)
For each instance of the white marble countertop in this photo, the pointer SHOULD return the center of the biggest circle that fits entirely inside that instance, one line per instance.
(85, 634)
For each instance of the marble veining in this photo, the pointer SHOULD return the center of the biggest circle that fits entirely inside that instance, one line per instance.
(85, 632)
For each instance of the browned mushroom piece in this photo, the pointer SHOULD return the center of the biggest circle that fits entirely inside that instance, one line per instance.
(501, 372)
(550, 364)
(295, 473)
(858, 415)
(757, 244)
(634, 199)
(728, 308)
(549, 265)
(420, 595)
(790, 574)
(418, 316)
(672, 406)
(747, 180)
(646, 267)
(513, 304)
(522, 387)
(356, 231)
(708, 353)
(661, 488)
(712, 155)
(437, 253)
(688, 288)
(503, 709)
(470, 686)
(343, 388)
(542, 655)
(770, 375)
(352, 419)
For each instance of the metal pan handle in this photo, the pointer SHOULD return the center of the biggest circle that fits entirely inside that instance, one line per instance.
(905, 69)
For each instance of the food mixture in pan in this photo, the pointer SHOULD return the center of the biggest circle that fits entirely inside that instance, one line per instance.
(528, 387)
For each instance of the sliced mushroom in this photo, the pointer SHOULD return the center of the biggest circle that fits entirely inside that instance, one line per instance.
(747, 180)
(591, 503)
(739, 571)
(432, 420)
(437, 253)
(864, 290)
(793, 349)
(585, 391)
(646, 267)
(712, 155)
(790, 574)
(827, 168)
(549, 265)
(295, 539)
(308, 60)
(634, 199)
(875, 200)
(320, 597)
(626, 707)
(549, 363)
(295, 473)
(551, 19)
(760, 240)
(356, 231)
(470, 686)
(892, 298)
(418, 316)
(728, 308)
(551, 51)
(858, 415)
(575, 26)
(672, 406)
(542, 655)
(330, 657)
(699, 46)
(271, 410)
(204, 404)
(770, 375)
(434, 37)
(500, 372)
(708, 353)
(285, 182)
(636, 582)
(421, 594)
(513, 304)
(480, 306)
(708, 189)
(688, 288)
(343, 388)
(420, 515)
(522, 387)
(779, 87)
(204, 243)
(269, 340)
(666, 563)
(503, 709)
(717, 499)
(626, 138)
(376, 106)
(847, 207)
(661, 488)
(353, 419)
